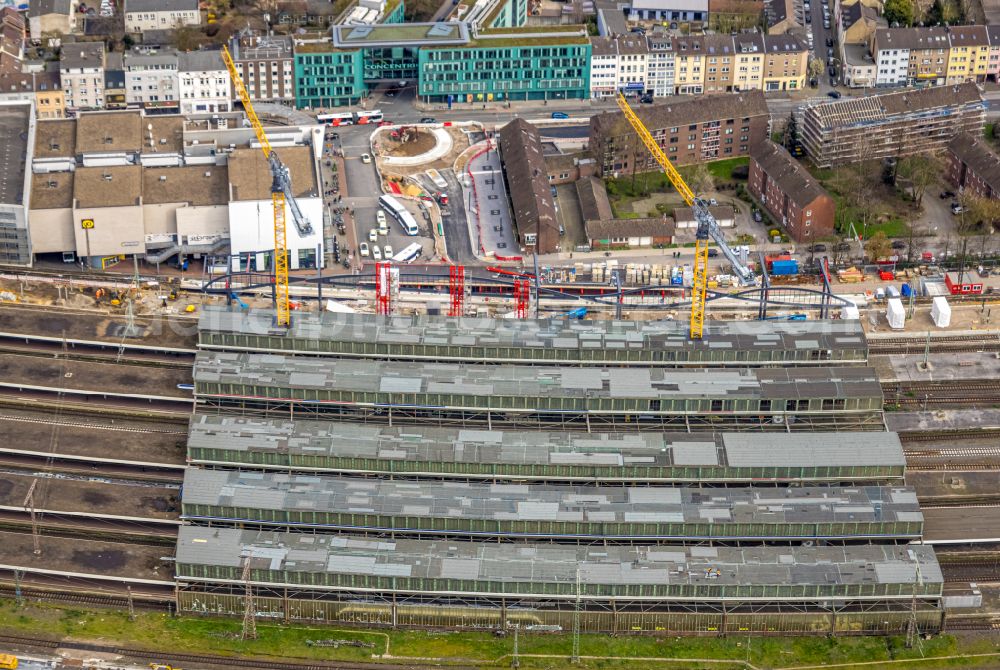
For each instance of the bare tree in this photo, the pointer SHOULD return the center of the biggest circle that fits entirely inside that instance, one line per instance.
(862, 181)
(700, 179)
(982, 213)
(919, 172)
(878, 246)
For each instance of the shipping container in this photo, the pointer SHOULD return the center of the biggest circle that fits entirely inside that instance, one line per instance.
(895, 313)
(784, 267)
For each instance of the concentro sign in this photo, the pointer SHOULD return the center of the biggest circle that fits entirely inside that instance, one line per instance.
(87, 224)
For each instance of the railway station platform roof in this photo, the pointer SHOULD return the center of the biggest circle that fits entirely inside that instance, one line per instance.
(345, 562)
(552, 341)
(409, 382)
(612, 456)
(525, 510)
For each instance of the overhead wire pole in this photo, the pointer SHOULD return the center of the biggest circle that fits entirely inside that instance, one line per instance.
(707, 225)
(249, 610)
(29, 504)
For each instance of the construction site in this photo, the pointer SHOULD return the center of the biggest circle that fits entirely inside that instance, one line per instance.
(510, 472)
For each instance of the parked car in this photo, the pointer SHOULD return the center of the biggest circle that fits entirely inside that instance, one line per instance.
(646, 99)
(898, 244)
(372, 235)
(956, 208)
(843, 246)
(809, 18)
(376, 252)
(947, 194)
(829, 41)
(560, 115)
(428, 119)
(387, 252)
(713, 202)
(817, 247)
(366, 159)
(834, 94)
(363, 249)
(757, 216)
(713, 252)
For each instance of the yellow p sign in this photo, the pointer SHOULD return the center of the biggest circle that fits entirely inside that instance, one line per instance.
(87, 224)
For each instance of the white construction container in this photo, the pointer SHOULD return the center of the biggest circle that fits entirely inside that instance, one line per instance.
(895, 313)
(850, 312)
(941, 312)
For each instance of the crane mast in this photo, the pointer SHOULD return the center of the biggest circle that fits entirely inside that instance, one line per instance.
(281, 193)
(707, 225)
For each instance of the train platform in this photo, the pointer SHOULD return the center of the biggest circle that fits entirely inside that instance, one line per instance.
(967, 524)
(941, 367)
(935, 488)
(84, 498)
(944, 419)
(171, 331)
(115, 440)
(75, 557)
(34, 372)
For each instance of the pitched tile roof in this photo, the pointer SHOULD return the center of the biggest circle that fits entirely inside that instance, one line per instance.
(524, 164)
(975, 153)
(793, 179)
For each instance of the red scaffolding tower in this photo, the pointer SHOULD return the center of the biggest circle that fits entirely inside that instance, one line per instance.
(456, 287)
(522, 297)
(383, 288)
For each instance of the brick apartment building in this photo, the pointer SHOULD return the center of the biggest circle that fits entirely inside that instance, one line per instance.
(789, 193)
(689, 131)
(891, 124)
(973, 166)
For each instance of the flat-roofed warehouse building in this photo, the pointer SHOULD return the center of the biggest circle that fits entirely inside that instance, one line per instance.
(351, 579)
(551, 512)
(776, 398)
(160, 187)
(546, 456)
(554, 341)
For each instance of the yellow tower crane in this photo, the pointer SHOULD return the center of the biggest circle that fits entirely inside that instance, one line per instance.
(707, 225)
(281, 193)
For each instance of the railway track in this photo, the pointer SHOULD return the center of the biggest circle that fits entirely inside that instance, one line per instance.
(942, 344)
(950, 435)
(99, 353)
(971, 570)
(971, 393)
(89, 528)
(972, 624)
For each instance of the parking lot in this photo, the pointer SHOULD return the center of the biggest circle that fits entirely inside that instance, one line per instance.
(367, 222)
(365, 187)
